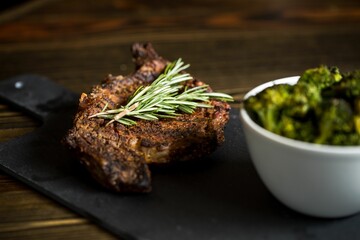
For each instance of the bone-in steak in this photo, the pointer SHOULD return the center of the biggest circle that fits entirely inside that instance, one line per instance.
(117, 156)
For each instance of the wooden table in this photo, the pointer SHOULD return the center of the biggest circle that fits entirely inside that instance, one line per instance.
(232, 45)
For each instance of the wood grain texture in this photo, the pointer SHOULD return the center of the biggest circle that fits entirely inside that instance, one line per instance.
(232, 45)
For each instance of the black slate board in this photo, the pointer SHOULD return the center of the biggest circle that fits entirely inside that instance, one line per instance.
(220, 197)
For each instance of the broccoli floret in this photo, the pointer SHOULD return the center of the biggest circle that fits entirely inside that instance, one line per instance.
(300, 129)
(304, 97)
(265, 107)
(335, 119)
(351, 84)
(307, 92)
(345, 139)
(348, 87)
(321, 77)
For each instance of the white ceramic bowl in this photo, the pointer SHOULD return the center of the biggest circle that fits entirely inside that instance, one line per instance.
(317, 180)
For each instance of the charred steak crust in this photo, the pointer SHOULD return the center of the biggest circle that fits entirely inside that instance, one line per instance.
(117, 156)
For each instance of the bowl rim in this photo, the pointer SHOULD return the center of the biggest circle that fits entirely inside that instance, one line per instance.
(314, 147)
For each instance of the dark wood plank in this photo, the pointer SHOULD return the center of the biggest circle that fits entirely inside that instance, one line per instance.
(97, 17)
(236, 59)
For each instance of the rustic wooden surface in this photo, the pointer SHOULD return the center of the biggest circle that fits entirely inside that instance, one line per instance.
(232, 45)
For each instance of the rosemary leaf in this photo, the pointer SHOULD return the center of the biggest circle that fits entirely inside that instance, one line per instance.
(164, 98)
(146, 116)
(126, 121)
(187, 109)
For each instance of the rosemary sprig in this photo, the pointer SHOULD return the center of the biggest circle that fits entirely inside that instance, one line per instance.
(164, 98)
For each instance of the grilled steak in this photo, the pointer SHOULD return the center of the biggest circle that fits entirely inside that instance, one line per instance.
(117, 156)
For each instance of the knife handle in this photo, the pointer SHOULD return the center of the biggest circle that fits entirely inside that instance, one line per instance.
(36, 95)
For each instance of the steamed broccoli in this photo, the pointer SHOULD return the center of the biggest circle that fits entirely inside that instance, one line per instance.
(348, 87)
(300, 129)
(322, 107)
(335, 119)
(266, 106)
(321, 77)
(304, 97)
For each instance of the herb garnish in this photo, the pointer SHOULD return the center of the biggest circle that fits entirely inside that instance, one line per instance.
(164, 98)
